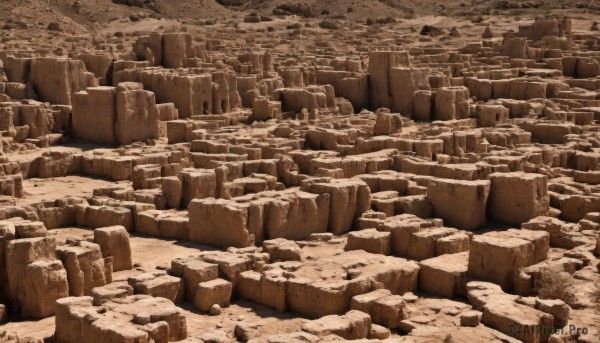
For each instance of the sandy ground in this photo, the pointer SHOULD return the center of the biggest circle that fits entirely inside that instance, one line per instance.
(36, 190)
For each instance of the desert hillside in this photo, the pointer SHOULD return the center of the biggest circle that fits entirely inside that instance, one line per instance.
(91, 14)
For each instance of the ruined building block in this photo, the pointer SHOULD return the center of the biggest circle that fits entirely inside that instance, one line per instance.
(135, 108)
(353, 86)
(142, 174)
(451, 103)
(422, 104)
(280, 249)
(352, 325)
(315, 298)
(208, 227)
(194, 272)
(99, 64)
(498, 260)
(380, 66)
(267, 289)
(263, 109)
(387, 124)
(197, 184)
(105, 115)
(85, 267)
(94, 115)
(349, 199)
(176, 49)
(114, 241)
(514, 47)
(383, 307)
(404, 83)
(55, 80)
(115, 290)
(517, 197)
(452, 244)
(370, 240)
(137, 318)
(158, 285)
(36, 279)
(444, 275)
(296, 99)
(501, 316)
(213, 292)
(491, 115)
(459, 203)
(561, 234)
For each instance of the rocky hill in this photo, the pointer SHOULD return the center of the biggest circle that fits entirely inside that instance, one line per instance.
(82, 15)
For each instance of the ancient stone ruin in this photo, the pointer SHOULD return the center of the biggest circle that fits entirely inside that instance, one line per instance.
(278, 172)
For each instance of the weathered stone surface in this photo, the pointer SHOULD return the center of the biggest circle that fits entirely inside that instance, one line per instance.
(140, 318)
(114, 242)
(459, 203)
(498, 259)
(517, 198)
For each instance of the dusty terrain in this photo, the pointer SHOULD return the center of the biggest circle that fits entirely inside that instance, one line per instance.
(313, 171)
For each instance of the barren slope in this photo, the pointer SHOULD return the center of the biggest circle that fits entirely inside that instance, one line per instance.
(83, 15)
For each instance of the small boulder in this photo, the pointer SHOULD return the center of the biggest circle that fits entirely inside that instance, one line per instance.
(215, 310)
